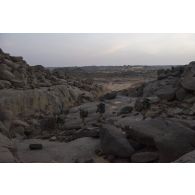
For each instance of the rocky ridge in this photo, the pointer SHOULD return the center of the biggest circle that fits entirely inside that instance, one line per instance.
(29, 89)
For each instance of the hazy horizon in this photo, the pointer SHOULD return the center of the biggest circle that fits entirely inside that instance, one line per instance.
(95, 49)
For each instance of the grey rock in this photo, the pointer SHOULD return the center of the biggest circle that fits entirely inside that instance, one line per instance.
(187, 158)
(6, 75)
(193, 108)
(80, 149)
(142, 104)
(17, 131)
(162, 74)
(35, 146)
(152, 113)
(6, 150)
(188, 80)
(170, 138)
(12, 64)
(17, 59)
(3, 129)
(5, 84)
(18, 122)
(40, 90)
(186, 122)
(125, 110)
(136, 91)
(18, 84)
(144, 157)
(114, 142)
(166, 93)
(6, 156)
(189, 99)
(163, 88)
(125, 122)
(48, 123)
(175, 111)
(192, 63)
(88, 132)
(53, 100)
(109, 96)
(153, 99)
(6, 116)
(181, 93)
(53, 138)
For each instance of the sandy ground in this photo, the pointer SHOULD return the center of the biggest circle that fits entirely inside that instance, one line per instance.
(117, 84)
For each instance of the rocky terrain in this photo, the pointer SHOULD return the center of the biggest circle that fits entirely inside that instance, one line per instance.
(112, 78)
(146, 122)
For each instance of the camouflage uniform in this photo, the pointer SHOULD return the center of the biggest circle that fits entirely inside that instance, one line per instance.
(83, 115)
(100, 109)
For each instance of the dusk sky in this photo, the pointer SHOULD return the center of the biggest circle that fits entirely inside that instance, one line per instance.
(77, 49)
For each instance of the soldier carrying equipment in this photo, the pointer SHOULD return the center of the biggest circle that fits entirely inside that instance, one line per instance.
(83, 115)
(100, 109)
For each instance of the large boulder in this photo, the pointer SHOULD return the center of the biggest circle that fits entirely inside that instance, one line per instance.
(144, 157)
(53, 99)
(186, 122)
(109, 96)
(187, 158)
(18, 122)
(171, 139)
(164, 89)
(6, 117)
(6, 149)
(6, 75)
(125, 110)
(188, 78)
(162, 74)
(79, 150)
(12, 64)
(49, 123)
(126, 121)
(133, 91)
(114, 142)
(18, 84)
(19, 127)
(166, 93)
(5, 84)
(6, 156)
(153, 99)
(175, 71)
(3, 129)
(181, 93)
(142, 104)
(17, 59)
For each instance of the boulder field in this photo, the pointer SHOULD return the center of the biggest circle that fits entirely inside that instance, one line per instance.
(41, 120)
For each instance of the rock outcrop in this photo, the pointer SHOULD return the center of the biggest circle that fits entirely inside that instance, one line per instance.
(171, 139)
(113, 142)
(27, 90)
(187, 158)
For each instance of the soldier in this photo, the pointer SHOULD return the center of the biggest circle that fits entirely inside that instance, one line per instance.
(83, 115)
(59, 121)
(100, 110)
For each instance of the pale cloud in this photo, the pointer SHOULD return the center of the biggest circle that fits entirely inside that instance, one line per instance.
(114, 49)
(101, 49)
